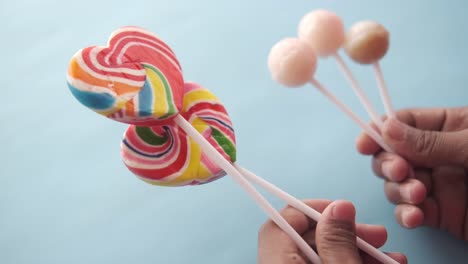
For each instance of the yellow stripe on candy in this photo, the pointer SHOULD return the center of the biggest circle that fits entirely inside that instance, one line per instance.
(198, 95)
(160, 104)
(194, 170)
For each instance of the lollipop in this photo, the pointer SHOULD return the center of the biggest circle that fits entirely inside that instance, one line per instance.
(301, 57)
(324, 31)
(165, 155)
(180, 134)
(366, 43)
(136, 79)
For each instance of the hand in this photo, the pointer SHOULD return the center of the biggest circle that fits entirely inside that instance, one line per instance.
(333, 237)
(435, 143)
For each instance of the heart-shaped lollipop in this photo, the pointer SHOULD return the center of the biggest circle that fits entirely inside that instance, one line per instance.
(136, 79)
(166, 155)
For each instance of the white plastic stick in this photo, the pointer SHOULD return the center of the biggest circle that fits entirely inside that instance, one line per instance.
(310, 212)
(359, 92)
(383, 90)
(219, 160)
(371, 132)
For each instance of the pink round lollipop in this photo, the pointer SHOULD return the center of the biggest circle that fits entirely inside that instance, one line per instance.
(292, 62)
(323, 30)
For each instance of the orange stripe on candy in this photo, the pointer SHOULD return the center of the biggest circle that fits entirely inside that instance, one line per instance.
(119, 88)
(130, 108)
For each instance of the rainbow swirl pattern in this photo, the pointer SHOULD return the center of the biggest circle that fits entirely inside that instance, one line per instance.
(165, 155)
(136, 79)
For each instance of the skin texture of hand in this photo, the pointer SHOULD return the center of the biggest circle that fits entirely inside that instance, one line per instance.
(432, 146)
(333, 237)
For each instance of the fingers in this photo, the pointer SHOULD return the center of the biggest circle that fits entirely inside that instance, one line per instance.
(411, 191)
(275, 246)
(425, 147)
(372, 234)
(335, 234)
(409, 216)
(366, 145)
(390, 166)
(424, 118)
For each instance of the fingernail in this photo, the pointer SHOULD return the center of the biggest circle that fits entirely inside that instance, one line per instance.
(394, 129)
(343, 211)
(386, 168)
(406, 192)
(406, 217)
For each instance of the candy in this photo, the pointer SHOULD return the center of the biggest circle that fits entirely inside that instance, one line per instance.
(136, 79)
(323, 30)
(292, 62)
(165, 155)
(367, 42)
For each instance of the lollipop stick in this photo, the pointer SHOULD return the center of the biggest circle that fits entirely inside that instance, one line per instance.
(359, 92)
(383, 90)
(309, 211)
(218, 159)
(371, 132)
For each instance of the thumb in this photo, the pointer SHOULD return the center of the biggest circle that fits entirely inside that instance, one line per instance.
(335, 234)
(427, 148)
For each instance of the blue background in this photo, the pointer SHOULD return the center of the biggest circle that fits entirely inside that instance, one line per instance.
(66, 197)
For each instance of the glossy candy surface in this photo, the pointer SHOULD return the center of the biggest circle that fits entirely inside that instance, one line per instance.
(135, 79)
(165, 155)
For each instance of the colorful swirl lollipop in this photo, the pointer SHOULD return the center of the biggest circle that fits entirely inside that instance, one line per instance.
(136, 79)
(165, 155)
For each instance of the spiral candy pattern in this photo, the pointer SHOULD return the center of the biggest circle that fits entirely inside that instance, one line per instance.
(136, 79)
(165, 155)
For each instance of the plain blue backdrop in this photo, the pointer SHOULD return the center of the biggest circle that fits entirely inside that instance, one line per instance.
(66, 197)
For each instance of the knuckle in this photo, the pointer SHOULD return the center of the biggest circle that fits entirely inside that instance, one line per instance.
(339, 235)
(427, 143)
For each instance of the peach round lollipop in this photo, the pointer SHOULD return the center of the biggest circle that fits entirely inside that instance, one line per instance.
(366, 43)
(292, 62)
(289, 66)
(300, 56)
(324, 31)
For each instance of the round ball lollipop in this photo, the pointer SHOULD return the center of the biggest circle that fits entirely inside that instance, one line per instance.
(366, 43)
(324, 31)
(166, 155)
(289, 66)
(292, 63)
(135, 79)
